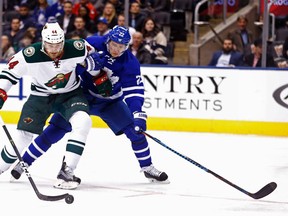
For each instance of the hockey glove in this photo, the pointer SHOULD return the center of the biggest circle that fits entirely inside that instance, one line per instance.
(94, 63)
(3, 97)
(103, 84)
(140, 121)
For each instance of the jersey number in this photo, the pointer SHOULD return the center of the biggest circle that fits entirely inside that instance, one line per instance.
(12, 64)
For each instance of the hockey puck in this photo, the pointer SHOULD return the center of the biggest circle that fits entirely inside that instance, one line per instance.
(69, 199)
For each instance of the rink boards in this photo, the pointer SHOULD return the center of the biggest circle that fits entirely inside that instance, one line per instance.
(241, 101)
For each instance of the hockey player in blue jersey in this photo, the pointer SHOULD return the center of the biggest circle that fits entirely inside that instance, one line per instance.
(116, 95)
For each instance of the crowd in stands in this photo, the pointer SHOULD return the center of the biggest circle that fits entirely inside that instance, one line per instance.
(240, 48)
(24, 20)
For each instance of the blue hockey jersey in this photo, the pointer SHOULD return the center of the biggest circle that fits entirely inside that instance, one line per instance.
(124, 74)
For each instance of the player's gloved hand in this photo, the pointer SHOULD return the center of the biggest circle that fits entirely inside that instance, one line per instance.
(103, 84)
(140, 121)
(3, 97)
(95, 62)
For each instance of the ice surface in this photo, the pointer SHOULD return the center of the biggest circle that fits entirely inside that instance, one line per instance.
(113, 185)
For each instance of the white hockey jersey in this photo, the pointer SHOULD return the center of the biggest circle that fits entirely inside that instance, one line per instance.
(48, 76)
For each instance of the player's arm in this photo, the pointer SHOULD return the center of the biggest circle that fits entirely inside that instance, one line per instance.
(84, 66)
(10, 76)
(132, 86)
(93, 65)
(133, 91)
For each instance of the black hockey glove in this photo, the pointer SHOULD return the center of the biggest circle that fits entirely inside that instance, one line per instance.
(103, 84)
(3, 97)
(140, 121)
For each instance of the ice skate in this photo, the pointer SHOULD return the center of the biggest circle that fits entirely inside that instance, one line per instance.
(154, 175)
(66, 178)
(17, 171)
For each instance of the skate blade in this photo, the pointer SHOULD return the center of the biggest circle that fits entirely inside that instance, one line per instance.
(12, 179)
(154, 181)
(61, 184)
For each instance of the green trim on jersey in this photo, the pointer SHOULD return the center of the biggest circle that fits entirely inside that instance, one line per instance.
(72, 49)
(7, 75)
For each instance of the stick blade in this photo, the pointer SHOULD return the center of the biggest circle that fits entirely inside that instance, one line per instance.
(53, 198)
(266, 190)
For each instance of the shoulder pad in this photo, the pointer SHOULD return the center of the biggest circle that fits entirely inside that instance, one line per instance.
(31, 50)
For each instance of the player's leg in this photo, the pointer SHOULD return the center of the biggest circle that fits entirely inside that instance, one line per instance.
(54, 132)
(75, 109)
(8, 155)
(141, 150)
(31, 122)
(118, 117)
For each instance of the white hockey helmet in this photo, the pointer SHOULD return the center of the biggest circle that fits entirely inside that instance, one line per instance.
(52, 33)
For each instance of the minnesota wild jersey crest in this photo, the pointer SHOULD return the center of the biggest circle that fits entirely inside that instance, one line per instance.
(29, 51)
(59, 81)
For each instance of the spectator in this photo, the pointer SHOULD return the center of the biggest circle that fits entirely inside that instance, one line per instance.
(136, 18)
(89, 24)
(227, 56)
(99, 5)
(282, 32)
(285, 49)
(26, 18)
(121, 22)
(92, 10)
(118, 4)
(39, 14)
(55, 10)
(80, 29)
(159, 6)
(66, 20)
(7, 49)
(155, 41)
(74, 36)
(13, 5)
(138, 49)
(14, 33)
(51, 2)
(30, 37)
(102, 27)
(109, 13)
(255, 59)
(243, 38)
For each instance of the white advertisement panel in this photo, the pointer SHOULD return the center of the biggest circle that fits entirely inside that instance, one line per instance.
(203, 93)
(215, 93)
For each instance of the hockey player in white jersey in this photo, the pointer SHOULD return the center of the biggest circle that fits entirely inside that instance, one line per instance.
(55, 88)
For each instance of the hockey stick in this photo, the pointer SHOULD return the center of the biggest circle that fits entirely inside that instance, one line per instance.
(266, 190)
(68, 198)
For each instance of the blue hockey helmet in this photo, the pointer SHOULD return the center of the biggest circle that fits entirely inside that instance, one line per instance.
(120, 35)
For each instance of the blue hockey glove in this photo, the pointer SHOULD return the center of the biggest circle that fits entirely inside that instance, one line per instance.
(103, 84)
(140, 121)
(95, 62)
(3, 97)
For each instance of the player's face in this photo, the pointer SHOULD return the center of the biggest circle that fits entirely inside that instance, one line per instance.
(116, 49)
(53, 50)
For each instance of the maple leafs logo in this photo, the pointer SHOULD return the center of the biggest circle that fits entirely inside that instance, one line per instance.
(59, 81)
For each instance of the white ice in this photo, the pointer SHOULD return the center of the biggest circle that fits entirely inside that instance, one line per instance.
(113, 185)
